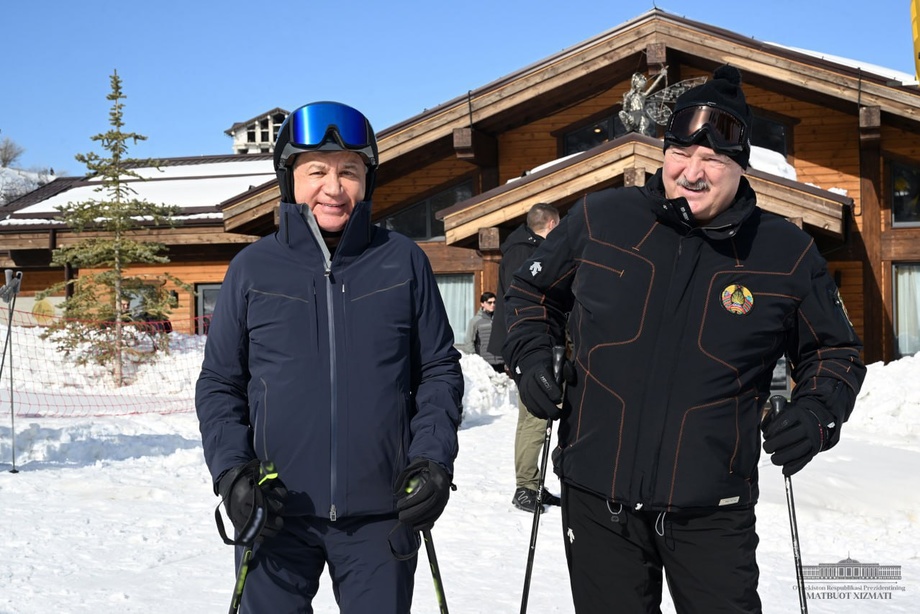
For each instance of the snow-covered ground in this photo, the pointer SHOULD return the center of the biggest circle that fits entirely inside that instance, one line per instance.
(115, 514)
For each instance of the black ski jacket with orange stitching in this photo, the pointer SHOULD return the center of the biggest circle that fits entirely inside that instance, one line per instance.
(676, 330)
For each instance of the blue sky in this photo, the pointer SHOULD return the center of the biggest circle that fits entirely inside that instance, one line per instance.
(191, 69)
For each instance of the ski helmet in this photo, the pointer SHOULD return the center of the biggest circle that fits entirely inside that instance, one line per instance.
(324, 126)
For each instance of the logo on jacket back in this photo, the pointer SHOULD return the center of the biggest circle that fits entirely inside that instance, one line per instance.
(535, 268)
(737, 299)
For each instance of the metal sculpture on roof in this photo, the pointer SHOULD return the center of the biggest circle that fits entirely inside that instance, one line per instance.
(642, 109)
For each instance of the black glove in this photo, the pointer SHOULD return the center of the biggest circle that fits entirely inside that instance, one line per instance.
(253, 496)
(539, 391)
(422, 490)
(796, 435)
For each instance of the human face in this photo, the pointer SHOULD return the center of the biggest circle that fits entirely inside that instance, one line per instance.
(708, 180)
(330, 183)
(488, 305)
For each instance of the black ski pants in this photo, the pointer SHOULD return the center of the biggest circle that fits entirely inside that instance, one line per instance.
(616, 556)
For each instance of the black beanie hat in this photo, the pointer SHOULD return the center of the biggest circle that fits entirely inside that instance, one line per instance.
(724, 92)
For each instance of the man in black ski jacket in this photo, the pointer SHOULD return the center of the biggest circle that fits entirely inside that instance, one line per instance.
(682, 296)
(530, 431)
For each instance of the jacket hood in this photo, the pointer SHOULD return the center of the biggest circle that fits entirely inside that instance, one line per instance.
(676, 211)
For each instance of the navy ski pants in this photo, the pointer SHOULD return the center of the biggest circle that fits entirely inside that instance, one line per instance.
(285, 570)
(615, 558)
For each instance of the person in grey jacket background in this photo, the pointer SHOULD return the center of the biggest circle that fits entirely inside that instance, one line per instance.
(480, 330)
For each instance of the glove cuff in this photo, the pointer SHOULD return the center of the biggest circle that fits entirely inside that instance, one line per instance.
(533, 359)
(827, 422)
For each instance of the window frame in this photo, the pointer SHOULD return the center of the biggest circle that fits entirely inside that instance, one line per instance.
(895, 312)
(425, 201)
(786, 121)
(610, 113)
(890, 164)
(202, 317)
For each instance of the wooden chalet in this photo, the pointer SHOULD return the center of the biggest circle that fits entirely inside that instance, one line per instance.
(459, 177)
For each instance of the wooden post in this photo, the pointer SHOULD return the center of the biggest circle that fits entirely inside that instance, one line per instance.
(634, 176)
(878, 334)
(489, 244)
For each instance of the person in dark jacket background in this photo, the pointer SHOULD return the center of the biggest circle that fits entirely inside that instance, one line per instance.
(330, 360)
(530, 431)
(682, 295)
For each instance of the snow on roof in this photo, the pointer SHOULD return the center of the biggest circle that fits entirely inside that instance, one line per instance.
(208, 169)
(200, 185)
(29, 222)
(888, 73)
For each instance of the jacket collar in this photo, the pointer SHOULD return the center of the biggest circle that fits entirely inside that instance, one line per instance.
(297, 227)
(676, 211)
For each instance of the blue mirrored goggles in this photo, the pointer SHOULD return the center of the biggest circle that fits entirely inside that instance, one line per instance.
(691, 125)
(315, 124)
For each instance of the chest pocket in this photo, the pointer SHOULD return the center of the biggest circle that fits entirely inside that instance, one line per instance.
(281, 325)
(611, 281)
(379, 311)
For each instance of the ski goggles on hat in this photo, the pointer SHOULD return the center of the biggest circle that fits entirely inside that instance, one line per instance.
(314, 126)
(725, 132)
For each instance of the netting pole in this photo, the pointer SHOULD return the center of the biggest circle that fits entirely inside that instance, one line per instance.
(8, 293)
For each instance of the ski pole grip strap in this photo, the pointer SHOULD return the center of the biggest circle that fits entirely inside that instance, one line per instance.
(258, 514)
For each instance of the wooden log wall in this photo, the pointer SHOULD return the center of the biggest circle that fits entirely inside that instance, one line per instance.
(411, 186)
(536, 143)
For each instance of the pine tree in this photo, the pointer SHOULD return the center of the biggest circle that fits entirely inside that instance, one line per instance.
(112, 227)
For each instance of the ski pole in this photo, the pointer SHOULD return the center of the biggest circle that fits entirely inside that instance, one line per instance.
(266, 472)
(778, 402)
(435, 572)
(241, 573)
(558, 355)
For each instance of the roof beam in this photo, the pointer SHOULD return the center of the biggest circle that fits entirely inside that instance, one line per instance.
(611, 164)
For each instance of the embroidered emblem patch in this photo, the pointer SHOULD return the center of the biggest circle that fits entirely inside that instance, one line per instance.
(535, 268)
(737, 299)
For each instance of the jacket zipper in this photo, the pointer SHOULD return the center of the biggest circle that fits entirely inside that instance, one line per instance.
(333, 397)
(646, 490)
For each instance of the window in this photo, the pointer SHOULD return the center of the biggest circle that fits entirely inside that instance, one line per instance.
(277, 120)
(457, 294)
(418, 221)
(905, 194)
(204, 306)
(593, 134)
(769, 134)
(907, 308)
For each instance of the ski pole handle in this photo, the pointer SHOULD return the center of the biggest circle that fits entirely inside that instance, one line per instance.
(558, 359)
(777, 403)
(772, 409)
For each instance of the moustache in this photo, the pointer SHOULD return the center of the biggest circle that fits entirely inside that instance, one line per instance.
(702, 184)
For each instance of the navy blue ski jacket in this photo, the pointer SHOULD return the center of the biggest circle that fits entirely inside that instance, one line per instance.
(340, 370)
(676, 330)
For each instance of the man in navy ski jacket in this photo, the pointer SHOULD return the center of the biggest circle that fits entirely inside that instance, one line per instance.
(679, 297)
(330, 356)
